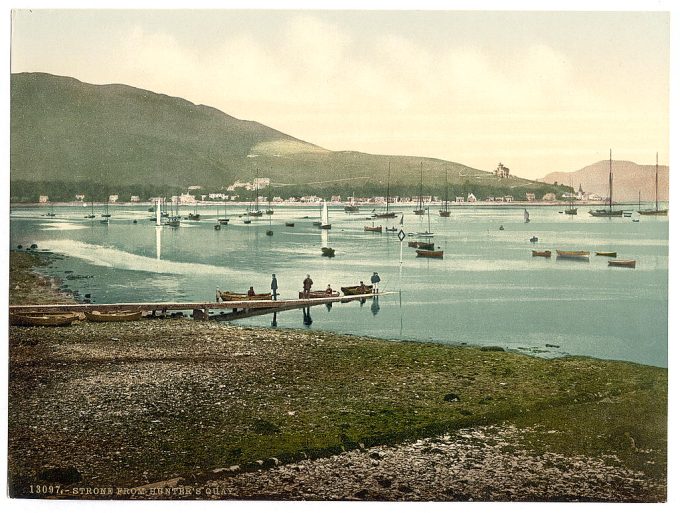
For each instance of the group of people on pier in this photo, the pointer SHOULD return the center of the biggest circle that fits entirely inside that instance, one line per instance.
(308, 282)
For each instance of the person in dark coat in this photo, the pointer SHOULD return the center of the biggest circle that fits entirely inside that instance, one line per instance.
(307, 286)
(274, 287)
(375, 279)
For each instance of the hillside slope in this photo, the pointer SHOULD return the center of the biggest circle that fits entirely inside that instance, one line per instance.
(628, 179)
(120, 138)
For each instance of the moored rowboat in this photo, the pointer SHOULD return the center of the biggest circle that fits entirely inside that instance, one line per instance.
(428, 253)
(234, 296)
(356, 289)
(373, 229)
(318, 294)
(546, 253)
(42, 319)
(606, 253)
(579, 255)
(96, 316)
(622, 263)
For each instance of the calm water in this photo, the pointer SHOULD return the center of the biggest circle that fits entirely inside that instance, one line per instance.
(488, 289)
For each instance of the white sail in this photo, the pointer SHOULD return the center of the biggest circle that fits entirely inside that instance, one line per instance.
(324, 215)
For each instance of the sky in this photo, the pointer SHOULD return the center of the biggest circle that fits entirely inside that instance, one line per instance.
(538, 91)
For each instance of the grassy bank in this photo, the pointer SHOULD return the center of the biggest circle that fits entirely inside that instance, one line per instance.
(146, 401)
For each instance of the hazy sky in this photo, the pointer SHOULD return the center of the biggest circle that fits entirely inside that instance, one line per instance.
(539, 91)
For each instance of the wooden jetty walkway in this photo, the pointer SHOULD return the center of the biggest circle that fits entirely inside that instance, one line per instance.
(201, 310)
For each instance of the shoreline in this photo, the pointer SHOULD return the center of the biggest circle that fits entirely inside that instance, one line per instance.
(260, 413)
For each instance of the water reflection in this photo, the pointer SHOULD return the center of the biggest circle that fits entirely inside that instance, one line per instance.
(375, 306)
(307, 316)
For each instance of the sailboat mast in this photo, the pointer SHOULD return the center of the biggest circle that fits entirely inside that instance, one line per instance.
(656, 182)
(388, 185)
(420, 196)
(610, 179)
(446, 190)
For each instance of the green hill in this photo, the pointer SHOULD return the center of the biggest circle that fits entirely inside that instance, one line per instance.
(70, 137)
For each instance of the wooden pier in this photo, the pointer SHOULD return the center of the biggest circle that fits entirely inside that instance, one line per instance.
(201, 310)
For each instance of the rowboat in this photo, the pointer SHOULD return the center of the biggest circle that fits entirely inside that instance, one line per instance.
(377, 229)
(429, 253)
(235, 296)
(421, 245)
(356, 289)
(606, 253)
(578, 255)
(622, 263)
(318, 294)
(290, 225)
(96, 316)
(327, 252)
(42, 319)
(546, 253)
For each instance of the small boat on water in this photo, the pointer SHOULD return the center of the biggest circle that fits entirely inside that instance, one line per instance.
(656, 211)
(269, 233)
(622, 263)
(546, 254)
(218, 227)
(606, 253)
(602, 212)
(421, 245)
(429, 253)
(327, 252)
(123, 316)
(325, 223)
(194, 217)
(377, 229)
(576, 255)
(290, 225)
(533, 239)
(235, 296)
(314, 294)
(37, 319)
(356, 289)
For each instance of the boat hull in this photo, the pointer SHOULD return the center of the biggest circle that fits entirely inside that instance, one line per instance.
(235, 296)
(96, 316)
(316, 294)
(623, 263)
(55, 320)
(357, 289)
(377, 229)
(606, 213)
(606, 253)
(576, 255)
(427, 253)
(546, 254)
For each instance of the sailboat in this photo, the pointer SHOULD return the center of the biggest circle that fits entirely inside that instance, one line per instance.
(387, 214)
(526, 215)
(351, 206)
(257, 212)
(106, 209)
(602, 212)
(195, 216)
(571, 211)
(428, 233)
(51, 213)
(446, 212)
(269, 210)
(174, 220)
(656, 211)
(225, 219)
(91, 214)
(420, 210)
(325, 224)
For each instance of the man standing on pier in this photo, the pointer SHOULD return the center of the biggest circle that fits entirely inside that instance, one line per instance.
(274, 287)
(375, 279)
(307, 286)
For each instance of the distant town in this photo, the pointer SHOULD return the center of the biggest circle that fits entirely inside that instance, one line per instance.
(240, 192)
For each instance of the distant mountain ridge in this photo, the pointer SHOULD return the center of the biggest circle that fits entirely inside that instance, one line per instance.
(628, 179)
(117, 137)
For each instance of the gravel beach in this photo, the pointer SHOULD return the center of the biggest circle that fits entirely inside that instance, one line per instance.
(182, 409)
